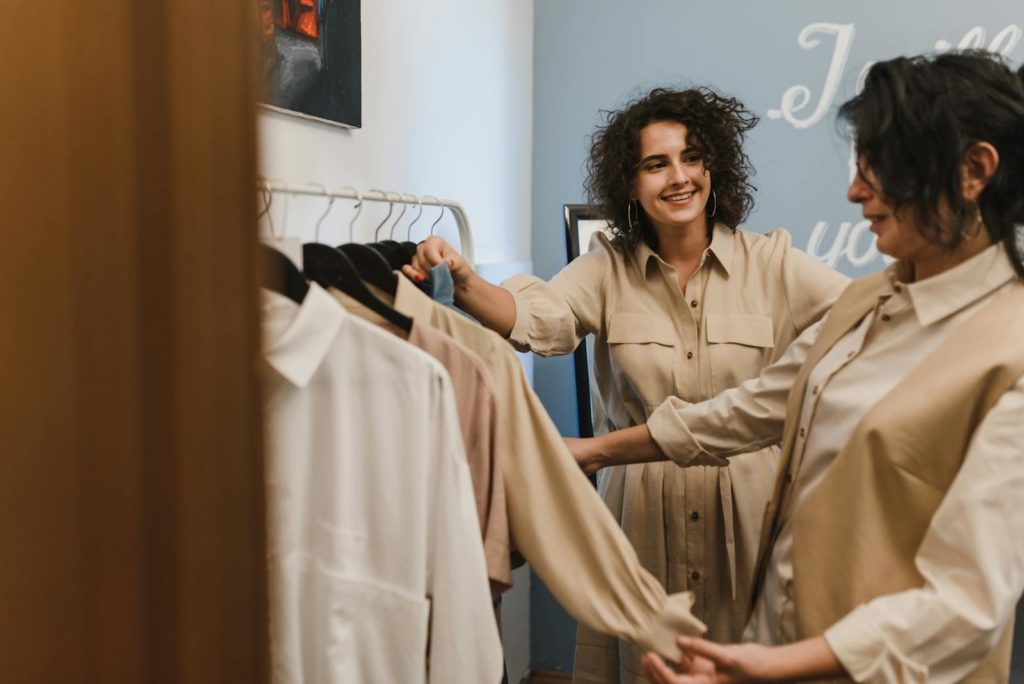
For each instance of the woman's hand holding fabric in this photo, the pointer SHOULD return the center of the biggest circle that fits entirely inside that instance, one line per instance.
(706, 662)
(586, 454)
(433, 251)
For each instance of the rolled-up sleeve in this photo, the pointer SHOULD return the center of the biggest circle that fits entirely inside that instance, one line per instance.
(737, 421)
(972, 567)
(553, 317)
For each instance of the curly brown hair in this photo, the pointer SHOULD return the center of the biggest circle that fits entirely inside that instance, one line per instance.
(716, 126)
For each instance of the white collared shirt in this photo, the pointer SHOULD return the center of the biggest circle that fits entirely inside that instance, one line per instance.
(374, 544)
(973, 572)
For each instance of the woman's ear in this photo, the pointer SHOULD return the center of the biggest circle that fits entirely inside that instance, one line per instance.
(979, 165)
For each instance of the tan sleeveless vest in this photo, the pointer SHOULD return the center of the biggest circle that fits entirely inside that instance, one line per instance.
(856, 534)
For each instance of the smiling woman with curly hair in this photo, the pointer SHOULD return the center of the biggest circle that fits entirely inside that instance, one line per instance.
(681, 303)
(716, 126)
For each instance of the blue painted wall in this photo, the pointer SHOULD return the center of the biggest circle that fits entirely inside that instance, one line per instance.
(775, 55)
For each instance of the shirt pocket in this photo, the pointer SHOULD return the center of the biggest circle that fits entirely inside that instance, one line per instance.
(363, 631)
(337, 617)
(643, 352)
(739, 346)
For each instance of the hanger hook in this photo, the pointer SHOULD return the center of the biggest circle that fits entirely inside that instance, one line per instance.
(269, 195)
(391, 208)
(284, 217)
(405, 206)
(359, 210)
(330, 205)
(270, 217)
(408, 230)
(266, 195)
(439, 216)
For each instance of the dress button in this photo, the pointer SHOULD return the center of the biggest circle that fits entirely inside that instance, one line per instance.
(789, 477)
(694, 515)
(886, 317)
(695, 575)
(817, 388)
(802, 432)
(694, 303)
(898, 288)
(689, 355)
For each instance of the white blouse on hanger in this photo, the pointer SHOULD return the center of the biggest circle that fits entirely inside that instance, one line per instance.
(374, 542)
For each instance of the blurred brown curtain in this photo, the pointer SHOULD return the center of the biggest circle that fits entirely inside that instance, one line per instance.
(131, 488)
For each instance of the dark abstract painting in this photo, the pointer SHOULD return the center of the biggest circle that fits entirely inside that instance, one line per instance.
(311, 58)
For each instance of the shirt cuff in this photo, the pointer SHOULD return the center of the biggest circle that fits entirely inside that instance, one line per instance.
(669, 431)
(520, 335)
(673, 620)
(862, 649)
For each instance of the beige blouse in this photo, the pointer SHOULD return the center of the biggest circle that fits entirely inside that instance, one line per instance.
(695, 529)
(972, 578)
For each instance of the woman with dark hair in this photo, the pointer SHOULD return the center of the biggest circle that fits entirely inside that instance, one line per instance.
(681, 303)
(891, 547)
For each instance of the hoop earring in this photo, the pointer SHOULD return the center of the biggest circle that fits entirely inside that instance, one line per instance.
(631, 208)
(714, 208)
(979, 223)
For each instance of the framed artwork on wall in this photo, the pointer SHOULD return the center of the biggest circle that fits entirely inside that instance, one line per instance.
(581, 223)
(312, 59)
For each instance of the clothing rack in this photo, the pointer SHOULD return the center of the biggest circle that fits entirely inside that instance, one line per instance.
(317, 190)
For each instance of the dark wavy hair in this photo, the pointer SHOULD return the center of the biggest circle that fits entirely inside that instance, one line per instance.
(716, 126)
(915, 120)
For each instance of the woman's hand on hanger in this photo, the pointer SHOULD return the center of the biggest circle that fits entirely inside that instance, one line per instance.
(493, 306)
(430, 253)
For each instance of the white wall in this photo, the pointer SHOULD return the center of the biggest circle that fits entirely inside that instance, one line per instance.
(447, 111)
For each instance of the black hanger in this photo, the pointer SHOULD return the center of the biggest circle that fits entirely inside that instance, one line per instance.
(391, 252)
(280, 274)
(371, 266)
(408, 252)
(331, 267)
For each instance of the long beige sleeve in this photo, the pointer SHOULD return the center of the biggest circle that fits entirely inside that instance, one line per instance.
(736, 421)
(556, 518)
(553, 317)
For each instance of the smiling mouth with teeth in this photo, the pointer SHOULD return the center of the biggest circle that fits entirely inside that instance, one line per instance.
(680, 197)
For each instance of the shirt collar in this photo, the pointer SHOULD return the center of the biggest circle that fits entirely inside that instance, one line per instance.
(722, 240)
(950, 291)
(412, 302)
(298, 337)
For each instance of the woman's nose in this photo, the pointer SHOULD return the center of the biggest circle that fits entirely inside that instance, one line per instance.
(859, 191)
(677, 174)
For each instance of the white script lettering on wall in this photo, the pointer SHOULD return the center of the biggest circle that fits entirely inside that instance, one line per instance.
(850, 241)
(850, 244)
(796, 98)
(1004, 42)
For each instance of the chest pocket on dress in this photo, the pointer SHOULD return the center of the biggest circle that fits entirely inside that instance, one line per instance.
(643, 349)
(739, 346)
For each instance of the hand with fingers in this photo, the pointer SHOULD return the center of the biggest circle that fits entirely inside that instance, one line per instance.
(587, 457)
(706, 662)
(491, 305)
(433, 251)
